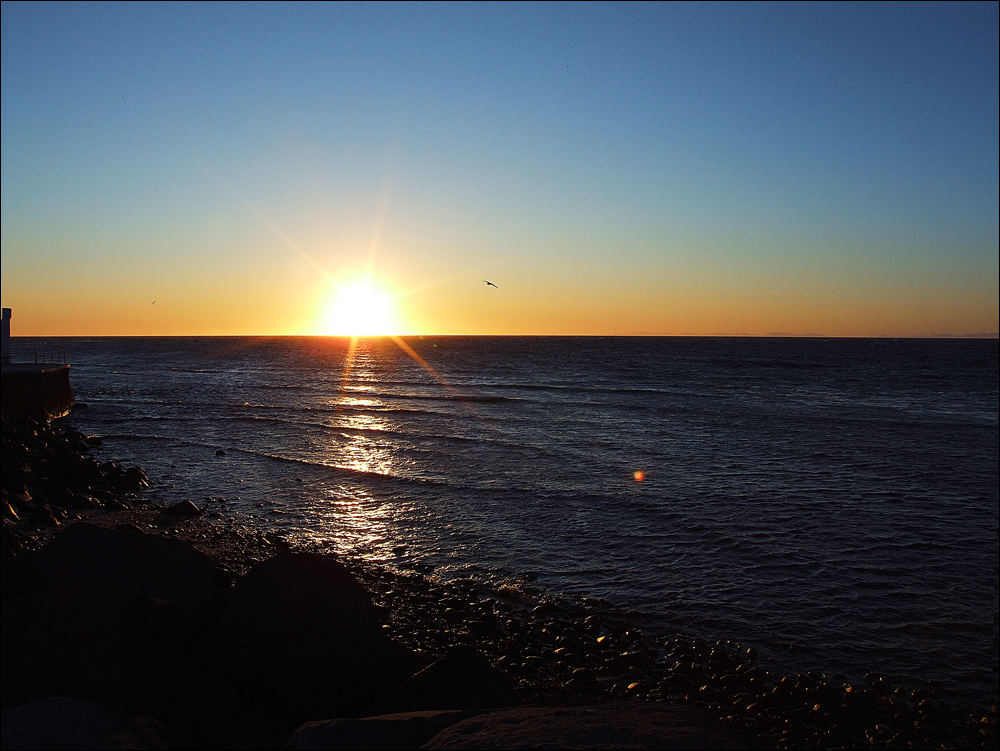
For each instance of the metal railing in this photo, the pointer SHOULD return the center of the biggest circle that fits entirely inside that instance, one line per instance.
(52, 356)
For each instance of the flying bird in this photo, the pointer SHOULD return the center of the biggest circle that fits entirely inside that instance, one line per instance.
(490, 284)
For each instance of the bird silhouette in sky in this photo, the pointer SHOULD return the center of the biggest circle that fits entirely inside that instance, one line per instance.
(490, 284)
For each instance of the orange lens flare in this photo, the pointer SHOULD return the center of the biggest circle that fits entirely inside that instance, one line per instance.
(639, 475)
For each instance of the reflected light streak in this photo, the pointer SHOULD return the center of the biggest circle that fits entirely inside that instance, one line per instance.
(362, 454)
(357, 526)
(352, 347)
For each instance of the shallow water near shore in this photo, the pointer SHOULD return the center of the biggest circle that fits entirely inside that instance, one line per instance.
(833, 503)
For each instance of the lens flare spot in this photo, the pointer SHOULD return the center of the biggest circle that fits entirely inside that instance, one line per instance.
(639, 475)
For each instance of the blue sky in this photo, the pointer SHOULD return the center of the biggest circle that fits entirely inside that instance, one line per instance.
(702, 168)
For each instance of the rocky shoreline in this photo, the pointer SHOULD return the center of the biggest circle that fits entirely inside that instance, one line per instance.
(157, 628)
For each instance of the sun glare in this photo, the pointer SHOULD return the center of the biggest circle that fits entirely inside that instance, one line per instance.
(360, 311)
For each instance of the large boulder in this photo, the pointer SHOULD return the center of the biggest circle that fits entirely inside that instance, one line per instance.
(16, 576)
(118, 646)
(61, 722)
(620, 725)
(462, 679)
(407, 730)
(84, 555)
(302, 639)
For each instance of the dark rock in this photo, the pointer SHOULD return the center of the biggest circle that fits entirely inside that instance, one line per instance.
(407, 730)
(16, 577)
(118, 646)
(78, 501)
(62, 722)
(103, 495)
(10, 545)
(42, 515)
(134, 479)
(462, 679)
(58, 494)
(620, 725)
(85, 555)
(184, 508)
(9, 512)
(220, 452)
(302, 639)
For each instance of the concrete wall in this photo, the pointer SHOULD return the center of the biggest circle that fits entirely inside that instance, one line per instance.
(42, 392)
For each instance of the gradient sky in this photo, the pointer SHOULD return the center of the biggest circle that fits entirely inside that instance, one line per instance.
(683, 168)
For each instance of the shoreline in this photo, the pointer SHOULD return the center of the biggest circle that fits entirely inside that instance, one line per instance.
(551, 653)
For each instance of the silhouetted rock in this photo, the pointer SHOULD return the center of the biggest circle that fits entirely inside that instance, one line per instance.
(462, 679)
(43, 516)
(16, 577)
(134, 479)
(184, 508)
(302, 639)
(406, 730)
(63, 722)
(85, 555)
(620, 725)
(116, 645)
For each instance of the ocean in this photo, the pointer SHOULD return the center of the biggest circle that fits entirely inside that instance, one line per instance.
(831, 502)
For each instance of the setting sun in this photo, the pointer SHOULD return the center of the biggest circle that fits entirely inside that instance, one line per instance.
(360, 311)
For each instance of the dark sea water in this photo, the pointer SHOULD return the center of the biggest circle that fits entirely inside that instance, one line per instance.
(831, 502)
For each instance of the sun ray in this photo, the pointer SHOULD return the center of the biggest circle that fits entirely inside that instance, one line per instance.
(415, 356)
(291, 244)
(380, 214)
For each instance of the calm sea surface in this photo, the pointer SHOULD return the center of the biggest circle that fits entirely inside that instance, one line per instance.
(832, 502)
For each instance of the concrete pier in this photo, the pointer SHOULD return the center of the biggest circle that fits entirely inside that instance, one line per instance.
(39, 390)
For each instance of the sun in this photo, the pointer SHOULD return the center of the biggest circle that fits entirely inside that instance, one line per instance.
(360, 310)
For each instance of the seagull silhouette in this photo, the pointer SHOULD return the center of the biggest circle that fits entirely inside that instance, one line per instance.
(490, 284)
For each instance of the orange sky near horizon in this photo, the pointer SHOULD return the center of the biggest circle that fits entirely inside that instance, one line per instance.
(468, 306)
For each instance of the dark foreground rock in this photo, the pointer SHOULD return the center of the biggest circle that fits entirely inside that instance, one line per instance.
(302, 639)
(184, 508)
(405, 730)
(616, 725)
(85, 555)
(62, 722)
(118, 646)
(462, 679)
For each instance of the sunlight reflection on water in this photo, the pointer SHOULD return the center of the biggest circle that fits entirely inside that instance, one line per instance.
(353, 523)
(364, 451)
